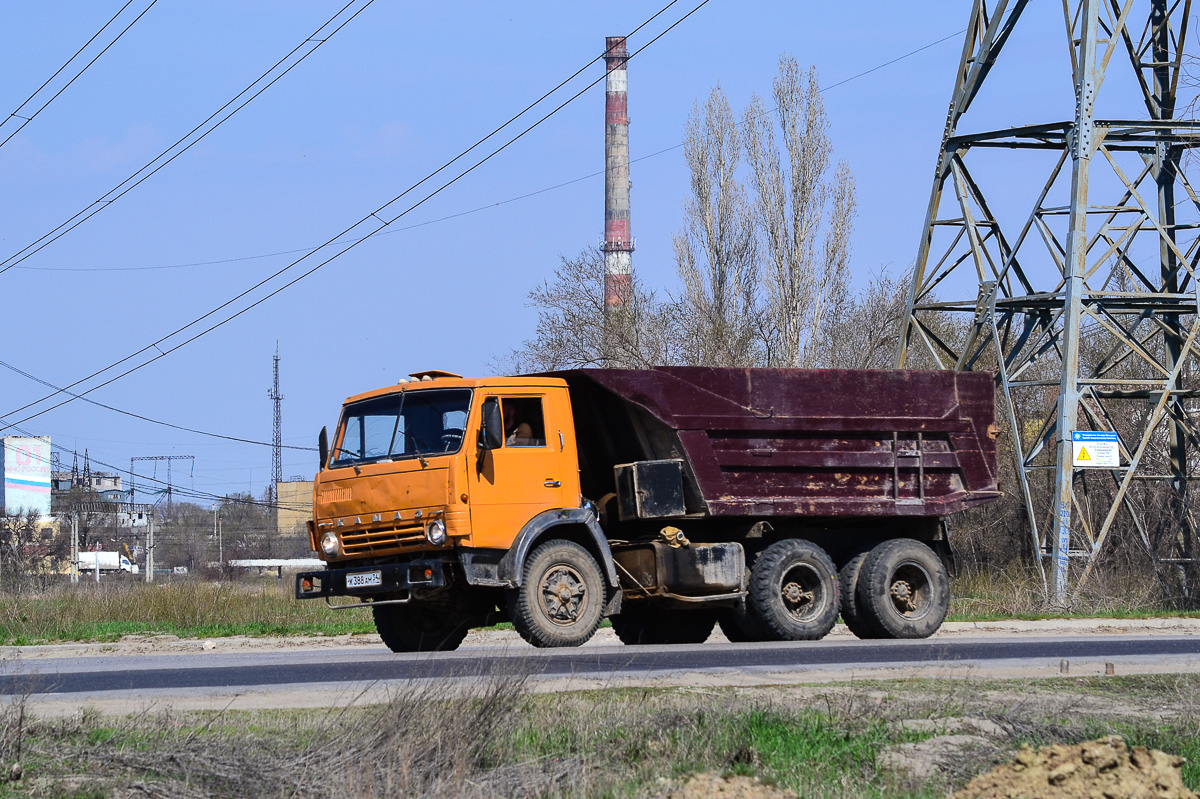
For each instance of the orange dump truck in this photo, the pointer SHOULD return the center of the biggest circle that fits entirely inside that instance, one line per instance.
(768, 501)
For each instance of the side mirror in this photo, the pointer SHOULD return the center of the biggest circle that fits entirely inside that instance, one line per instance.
(323, 446)
(491, 436)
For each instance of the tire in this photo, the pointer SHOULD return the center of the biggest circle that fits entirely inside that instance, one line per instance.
(857, 621)
(740, 627)
(794, 591)
(416, 629)
(643, 623)
(560, 601)
(903, 589)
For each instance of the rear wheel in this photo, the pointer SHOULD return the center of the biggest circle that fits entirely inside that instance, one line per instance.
(903, 589)
(857, 621)
(642, 623)
(739, 626)
(415, 629)
(561, 597)
(794, 591)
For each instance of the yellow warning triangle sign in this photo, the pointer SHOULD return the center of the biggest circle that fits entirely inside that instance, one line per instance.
(1083, 455)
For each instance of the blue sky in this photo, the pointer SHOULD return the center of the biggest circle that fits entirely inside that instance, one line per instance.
(401, 89)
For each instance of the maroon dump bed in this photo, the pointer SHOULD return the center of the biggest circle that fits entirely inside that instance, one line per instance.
(788, 442)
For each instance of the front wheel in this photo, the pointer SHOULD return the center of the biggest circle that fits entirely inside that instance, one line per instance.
(561, 597)
(404, 628)
(903, 589)
(794, 591)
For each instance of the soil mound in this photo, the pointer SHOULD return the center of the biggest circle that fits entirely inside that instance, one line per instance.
(1105, 768)
(714, 786)
(921, 762)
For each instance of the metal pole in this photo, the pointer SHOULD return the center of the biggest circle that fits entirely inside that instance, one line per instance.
(74, 571)
(150, 551)
(1082, 145)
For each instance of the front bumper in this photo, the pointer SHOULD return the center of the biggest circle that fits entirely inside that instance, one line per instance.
(392, 578)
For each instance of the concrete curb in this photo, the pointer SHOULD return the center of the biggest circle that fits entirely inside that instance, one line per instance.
(1081, 625)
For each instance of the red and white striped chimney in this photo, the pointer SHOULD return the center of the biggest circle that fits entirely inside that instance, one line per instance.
(618, 244)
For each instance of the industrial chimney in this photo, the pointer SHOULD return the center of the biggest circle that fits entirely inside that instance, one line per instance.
(618, 244)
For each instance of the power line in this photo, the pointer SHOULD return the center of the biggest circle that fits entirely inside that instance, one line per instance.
(189, 492)
(133, 415)
(380, 231)
(175, 150)
(16, 114)
(397, 230)
(470, 211)
(354, 242)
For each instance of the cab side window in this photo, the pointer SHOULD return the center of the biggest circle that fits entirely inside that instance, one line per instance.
(524, 423)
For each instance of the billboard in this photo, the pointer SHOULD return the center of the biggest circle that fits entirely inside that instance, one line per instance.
(294, 500)
(25, 464)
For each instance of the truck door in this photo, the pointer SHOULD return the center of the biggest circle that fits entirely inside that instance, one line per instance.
(511, 485)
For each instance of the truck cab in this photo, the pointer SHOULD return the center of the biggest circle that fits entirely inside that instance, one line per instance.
(430, 484)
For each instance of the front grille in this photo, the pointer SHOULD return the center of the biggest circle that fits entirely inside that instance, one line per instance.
(379, 542)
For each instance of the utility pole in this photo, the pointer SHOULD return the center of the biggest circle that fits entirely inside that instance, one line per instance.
(74, 572)
(150, 552)
(216, 509)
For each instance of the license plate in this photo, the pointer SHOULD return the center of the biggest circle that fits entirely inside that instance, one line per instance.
(364, 579)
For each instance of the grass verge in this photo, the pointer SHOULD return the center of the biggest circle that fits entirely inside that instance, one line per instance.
(496, 739)
(192, 608)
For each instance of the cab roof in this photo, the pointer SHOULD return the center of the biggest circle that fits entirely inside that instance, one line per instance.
(439, 379)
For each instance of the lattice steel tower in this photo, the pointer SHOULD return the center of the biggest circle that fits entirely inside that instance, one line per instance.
(1084, 299)
(277, 439)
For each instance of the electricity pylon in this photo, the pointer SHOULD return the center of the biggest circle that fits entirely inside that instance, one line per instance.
(1085, 300)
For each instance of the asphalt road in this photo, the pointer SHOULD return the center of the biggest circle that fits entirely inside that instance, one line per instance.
(133, 676)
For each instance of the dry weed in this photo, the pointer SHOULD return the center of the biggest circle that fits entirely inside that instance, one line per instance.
(1017, 591)
(109, 609)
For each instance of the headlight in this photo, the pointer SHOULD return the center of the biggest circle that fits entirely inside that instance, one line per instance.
(329, 543)
(435, 533)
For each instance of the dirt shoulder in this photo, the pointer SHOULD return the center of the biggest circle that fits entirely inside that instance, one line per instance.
(170, 644)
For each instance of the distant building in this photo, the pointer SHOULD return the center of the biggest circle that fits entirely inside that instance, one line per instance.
(25, 464)
(123, 515)
(105, 484)
(295, 501)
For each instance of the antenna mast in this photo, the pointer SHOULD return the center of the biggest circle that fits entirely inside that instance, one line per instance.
(277, 439)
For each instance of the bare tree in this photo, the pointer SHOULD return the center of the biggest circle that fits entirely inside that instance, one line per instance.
(26, 550)
(573, 330)
(763, 262)
(862, 328)
(716, 254)
(794, 193)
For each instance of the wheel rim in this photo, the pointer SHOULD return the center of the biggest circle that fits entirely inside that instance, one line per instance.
(910, 591)
(803, 592)
(564, 595)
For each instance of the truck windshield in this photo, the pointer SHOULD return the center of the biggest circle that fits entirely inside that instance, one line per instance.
(405, 425)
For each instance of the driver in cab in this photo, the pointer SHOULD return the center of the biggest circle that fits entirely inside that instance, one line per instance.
(517, 433)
